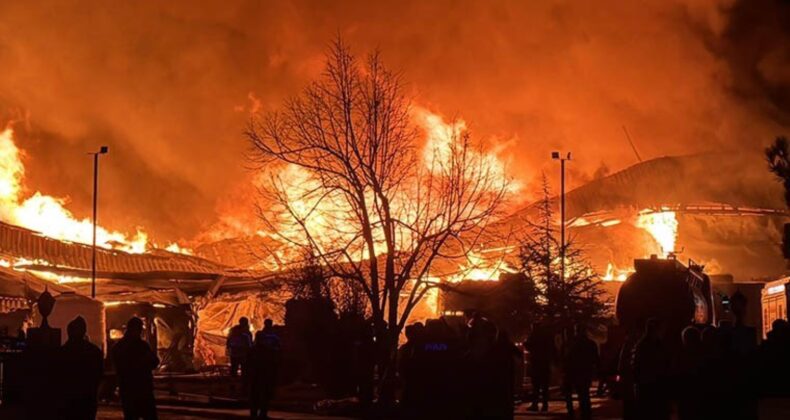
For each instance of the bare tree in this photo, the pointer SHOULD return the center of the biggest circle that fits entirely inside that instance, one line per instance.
(354, 187)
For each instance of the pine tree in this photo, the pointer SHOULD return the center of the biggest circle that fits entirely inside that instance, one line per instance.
(778, 158)
(565, 301)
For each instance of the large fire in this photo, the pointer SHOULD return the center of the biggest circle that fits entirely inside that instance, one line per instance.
(613, 273)
(662, 226)
(48, 215)
(439, 136)
(479, 267)
(302, 204)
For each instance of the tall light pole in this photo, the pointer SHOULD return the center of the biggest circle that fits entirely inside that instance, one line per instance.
(562, 159)
(102, 150)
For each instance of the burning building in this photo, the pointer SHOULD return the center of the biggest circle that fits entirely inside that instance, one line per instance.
(722, 210)
(183, 298)
(692, 207)
(662, 206)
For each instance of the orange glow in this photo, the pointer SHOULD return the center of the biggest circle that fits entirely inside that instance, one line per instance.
(481, 268)
(329, 220)
(616, 274)
(48, 215)
(662, 226)
(22, 264)
(439, 135)
(178, 249)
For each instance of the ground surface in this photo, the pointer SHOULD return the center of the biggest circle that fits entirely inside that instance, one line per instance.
(187, 413)
(602, 409)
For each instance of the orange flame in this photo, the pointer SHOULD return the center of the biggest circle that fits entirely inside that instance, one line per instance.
(48, 215)
(325, 215)
(616, 274)
(662, 226)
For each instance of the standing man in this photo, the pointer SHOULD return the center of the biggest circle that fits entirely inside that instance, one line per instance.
(263, 364)
(581, 362)
(81, 367)
(134, 362)
(541, 354)
(650, 367)
(239, 344)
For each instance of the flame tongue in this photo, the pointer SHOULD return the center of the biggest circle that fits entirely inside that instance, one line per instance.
(662, 226)
(47, 214)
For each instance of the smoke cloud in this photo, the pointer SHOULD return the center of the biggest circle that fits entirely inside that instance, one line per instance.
(170, 86)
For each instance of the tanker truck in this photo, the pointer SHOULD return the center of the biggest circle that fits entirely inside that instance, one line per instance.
(661, 288)
(665, 289)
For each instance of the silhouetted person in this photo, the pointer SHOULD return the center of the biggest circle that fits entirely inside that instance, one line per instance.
(541, 354)
(711, 374)
(364, 366)
(408, 369)
(480, 379)
(264, 362)
(690, 382)
(727, 373)
(238, 345)
(82, 365)
(775, 363)
(581, 362)
(650, 367)
(504, 355)
(134, 362)
(774, 368)
(744, 350)
(625, 369)
(438, 369)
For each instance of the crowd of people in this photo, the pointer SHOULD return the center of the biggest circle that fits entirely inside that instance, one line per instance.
(579, 361)
(70, 375)
(698, 373)
(445, 374)
(709, 373)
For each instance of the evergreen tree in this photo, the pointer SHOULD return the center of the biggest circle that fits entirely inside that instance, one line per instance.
(778, 158)
(565, 301)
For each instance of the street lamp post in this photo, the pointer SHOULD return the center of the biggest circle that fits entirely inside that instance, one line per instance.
(562, 159)
(102, 150)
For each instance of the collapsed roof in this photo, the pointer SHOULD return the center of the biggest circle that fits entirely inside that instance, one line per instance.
(153, 276)
(730, 212)
(734, 180)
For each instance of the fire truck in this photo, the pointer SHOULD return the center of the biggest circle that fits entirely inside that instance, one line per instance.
(661, 288)
(668, 290)
(774, 302)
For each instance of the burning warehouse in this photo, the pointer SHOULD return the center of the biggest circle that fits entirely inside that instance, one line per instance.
(267, 161)
(722, 210)
(185, 300)
(730, 225)
(625, 216)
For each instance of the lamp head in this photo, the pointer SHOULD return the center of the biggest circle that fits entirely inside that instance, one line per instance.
(104, 150)
(555, 155)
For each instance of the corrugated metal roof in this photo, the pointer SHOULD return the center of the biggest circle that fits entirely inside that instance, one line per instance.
(57, 255)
